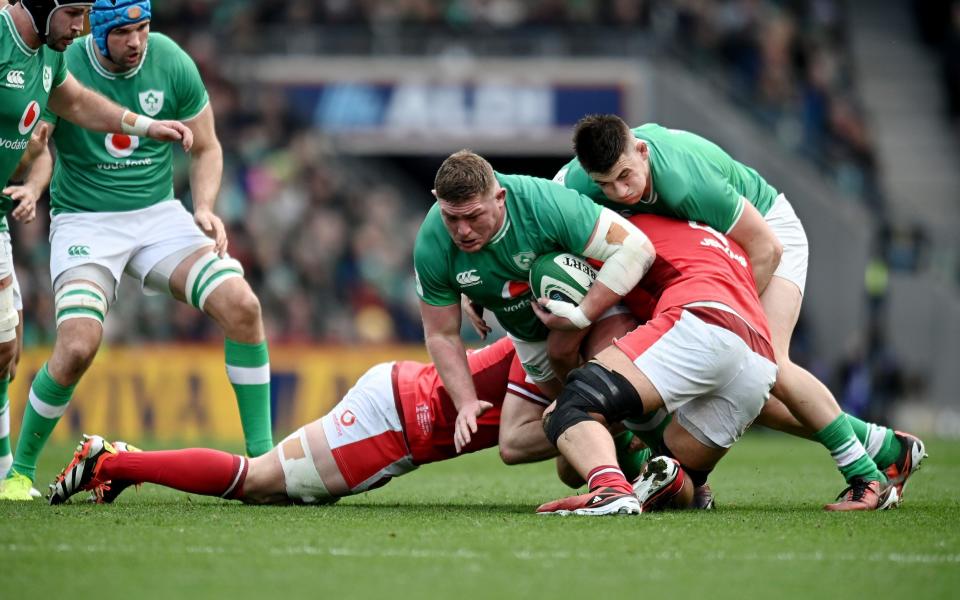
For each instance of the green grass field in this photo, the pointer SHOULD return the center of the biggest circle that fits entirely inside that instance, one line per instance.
(465, 529)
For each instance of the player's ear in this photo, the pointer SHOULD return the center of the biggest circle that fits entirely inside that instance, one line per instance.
(434, 192)
(642, 148)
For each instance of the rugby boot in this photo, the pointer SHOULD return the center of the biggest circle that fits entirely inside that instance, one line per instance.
(81, 473)
(866, 495)
(912, 453)
(703, 497)
(603, 501)
(107, 492)
(661, 481)
(17, 487)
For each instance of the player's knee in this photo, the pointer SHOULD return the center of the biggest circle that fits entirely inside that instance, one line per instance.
(595, 389)
(78, 351)
(246, 311)
(8, 354)
(510, 454)
(301, 479)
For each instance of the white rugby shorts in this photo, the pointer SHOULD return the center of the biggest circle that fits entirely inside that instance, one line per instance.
(6, 268)
(365, 432)
(131, 242)
(711, 368)
(796, 250)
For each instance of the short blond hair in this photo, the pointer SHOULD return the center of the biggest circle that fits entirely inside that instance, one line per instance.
(462, 176)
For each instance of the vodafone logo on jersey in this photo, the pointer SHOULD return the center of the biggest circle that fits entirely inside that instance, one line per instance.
(121, 145)
(31, 115)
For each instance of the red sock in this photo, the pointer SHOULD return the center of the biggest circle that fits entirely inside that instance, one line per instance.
(608, 476)
(194, 470)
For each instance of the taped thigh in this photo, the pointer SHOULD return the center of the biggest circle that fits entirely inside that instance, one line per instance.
(83, 292)
(207, 274)
(9, 318)
(301, 478)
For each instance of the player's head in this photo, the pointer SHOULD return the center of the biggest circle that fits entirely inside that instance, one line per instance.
(616, 160)
(470, 198)
(120, 28)
(57, 22)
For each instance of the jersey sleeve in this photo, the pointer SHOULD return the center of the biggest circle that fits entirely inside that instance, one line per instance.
(566, 216)
(520, 384)
(431, 270)
(191, 93)
(60, 72)
(706, 196)
(49, 116)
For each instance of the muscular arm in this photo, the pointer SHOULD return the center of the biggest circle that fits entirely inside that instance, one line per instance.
(88, 109)
(760, 243)
(441, 330)
(521, 432)
(206, 164)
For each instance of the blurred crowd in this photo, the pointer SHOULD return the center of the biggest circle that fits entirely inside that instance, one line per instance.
(326, 240)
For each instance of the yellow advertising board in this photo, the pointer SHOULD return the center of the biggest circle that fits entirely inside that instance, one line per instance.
(181, 392)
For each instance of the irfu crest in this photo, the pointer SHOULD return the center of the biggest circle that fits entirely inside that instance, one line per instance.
(151, 101)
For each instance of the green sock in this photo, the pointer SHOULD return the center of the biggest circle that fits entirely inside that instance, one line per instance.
(248, 367)
(5, 459)
(880, 442)
(847, 451)
(48, 402)
(649, 428)
(630, 461)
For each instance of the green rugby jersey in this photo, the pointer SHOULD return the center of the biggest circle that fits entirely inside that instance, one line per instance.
(26, 78)
(106, 172)
(693, 178)
(541, 217)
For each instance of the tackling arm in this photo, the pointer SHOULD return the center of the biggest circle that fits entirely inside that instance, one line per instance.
(754, 235)
(627, 255)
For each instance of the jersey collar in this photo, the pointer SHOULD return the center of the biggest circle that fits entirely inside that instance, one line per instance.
(22, 45)
(100, 70)
(503, 228)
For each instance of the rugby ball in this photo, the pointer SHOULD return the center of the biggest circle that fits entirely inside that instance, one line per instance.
(561, 276)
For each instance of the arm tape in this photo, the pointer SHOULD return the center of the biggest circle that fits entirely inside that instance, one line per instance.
(623, 264)
(133, 124)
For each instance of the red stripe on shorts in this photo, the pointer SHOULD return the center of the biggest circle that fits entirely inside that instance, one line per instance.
(732, 322)
(362, 460)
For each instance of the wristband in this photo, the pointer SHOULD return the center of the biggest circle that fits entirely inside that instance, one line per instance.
(133, 124)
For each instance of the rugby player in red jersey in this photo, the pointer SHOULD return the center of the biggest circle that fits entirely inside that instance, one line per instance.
(397, 417)
(704, 355)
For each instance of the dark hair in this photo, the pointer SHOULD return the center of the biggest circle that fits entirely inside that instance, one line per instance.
(599, 141)
(463, 176)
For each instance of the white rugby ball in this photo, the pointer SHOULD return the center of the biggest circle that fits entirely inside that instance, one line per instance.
(561, 276)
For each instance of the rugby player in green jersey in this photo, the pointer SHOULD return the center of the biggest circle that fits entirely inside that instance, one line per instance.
(33, 77)
(480, 240)
(652, 169)
(114, 212)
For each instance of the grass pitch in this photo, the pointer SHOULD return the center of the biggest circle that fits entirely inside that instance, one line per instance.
(465, 529)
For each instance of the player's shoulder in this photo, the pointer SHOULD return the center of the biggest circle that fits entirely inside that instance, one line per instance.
(163, 42)
(432, 233)
(165, 50)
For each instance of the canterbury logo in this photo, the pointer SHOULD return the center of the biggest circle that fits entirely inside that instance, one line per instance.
(15, 79)
(79, 251)
(467, 278)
